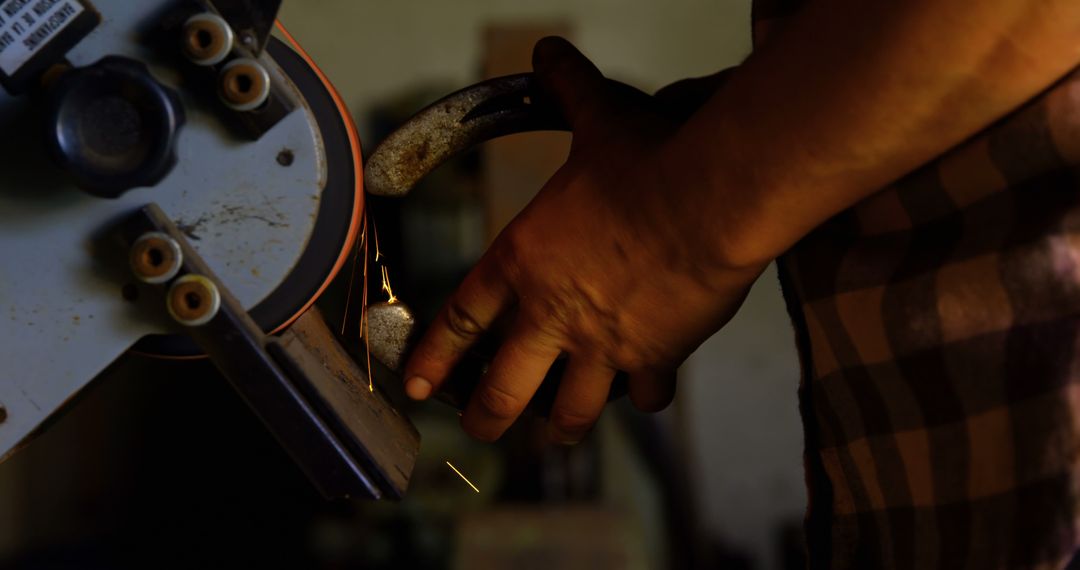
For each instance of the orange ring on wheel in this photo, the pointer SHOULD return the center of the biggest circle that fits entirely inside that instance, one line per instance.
(355, 225)
(358, 167)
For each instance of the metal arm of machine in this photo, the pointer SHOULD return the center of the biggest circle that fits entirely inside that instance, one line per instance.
(315, 400)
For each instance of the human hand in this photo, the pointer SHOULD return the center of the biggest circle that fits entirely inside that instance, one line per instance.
(610, 265)
(682, 99)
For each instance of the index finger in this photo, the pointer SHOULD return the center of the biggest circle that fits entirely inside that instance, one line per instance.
(467, 314)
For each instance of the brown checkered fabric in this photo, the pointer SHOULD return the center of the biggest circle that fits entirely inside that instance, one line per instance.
(939, 325)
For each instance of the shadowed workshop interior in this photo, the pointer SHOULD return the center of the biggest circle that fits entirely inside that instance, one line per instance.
(160, 464)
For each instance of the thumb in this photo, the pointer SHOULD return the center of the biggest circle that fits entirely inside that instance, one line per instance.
(567, 76)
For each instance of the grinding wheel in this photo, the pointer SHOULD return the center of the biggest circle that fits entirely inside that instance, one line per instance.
(339, 218)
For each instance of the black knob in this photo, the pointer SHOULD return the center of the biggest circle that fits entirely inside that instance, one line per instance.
(113, 126)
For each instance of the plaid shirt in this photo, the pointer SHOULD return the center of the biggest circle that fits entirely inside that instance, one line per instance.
(939, 327)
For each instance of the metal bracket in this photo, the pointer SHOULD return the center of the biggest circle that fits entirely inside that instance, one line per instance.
(241, 28)
(309, 393)
(251, 19)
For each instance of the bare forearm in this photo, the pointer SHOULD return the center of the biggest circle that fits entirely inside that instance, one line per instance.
(851, 95)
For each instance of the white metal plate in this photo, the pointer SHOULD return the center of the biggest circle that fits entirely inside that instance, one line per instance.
(62, 316)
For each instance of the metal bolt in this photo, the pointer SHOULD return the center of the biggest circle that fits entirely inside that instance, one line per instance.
(244, 84)
(193, 300)
(207, 39)
(155, 258)
(286, 157)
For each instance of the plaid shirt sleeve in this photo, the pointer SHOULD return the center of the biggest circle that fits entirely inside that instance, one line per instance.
(939, 327)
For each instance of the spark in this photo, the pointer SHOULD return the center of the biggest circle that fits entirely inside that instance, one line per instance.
(361, 244)
(386, 286)
(463, 477)
(367, 346)
(378, 252)
(363, 313)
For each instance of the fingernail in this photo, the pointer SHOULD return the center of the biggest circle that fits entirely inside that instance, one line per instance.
(417, 388)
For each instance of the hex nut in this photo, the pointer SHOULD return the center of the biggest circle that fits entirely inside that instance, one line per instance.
(207, 39)
(193, 300)
(244, 84)
(155, 258)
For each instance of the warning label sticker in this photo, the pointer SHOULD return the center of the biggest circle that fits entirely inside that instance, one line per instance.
(26, 26)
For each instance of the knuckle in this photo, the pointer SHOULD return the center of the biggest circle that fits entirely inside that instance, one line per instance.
(630, 358)
(499, 403)
(461, 322)
(511, 251)
(637, 353)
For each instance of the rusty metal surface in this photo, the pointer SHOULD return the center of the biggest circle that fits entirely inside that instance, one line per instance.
(391, 328)
(502, 106)
(388, 437)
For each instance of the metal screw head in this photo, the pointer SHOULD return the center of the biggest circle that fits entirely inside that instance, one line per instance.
(206, 39)
(286, 157)
(155, 258)
(244, 84)
(193, 300)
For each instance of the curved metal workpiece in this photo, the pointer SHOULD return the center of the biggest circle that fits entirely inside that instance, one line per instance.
(458, 122)
(494, 108)
(390, 332)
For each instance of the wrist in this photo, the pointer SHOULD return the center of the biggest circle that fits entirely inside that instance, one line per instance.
(724, 201)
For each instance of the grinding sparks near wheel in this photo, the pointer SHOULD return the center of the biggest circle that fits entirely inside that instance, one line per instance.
(463, 477)
(386, 345)
(216, 145)
(386, 286)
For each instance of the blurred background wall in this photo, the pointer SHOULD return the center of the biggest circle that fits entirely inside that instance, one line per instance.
(374, 50)
(738, 392)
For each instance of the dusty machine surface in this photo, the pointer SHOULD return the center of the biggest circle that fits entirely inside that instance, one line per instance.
(178, 182)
